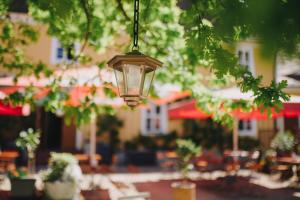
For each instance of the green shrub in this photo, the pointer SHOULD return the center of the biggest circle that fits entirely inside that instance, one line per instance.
(248, 143)
(283, 141)
(186, 151)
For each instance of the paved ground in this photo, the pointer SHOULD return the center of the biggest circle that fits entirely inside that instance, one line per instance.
(210, 186)
(220, 190)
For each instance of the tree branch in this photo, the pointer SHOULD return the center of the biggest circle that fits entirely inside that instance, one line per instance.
(85, 7)
(120, 6)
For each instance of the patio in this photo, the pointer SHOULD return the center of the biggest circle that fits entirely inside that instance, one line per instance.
(210, 185)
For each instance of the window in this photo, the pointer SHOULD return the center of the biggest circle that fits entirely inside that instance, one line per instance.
(70, 52)
(154, 120)
(247, 127)
(60, 54)
(245, 56)
(148, 124)
(157, 109)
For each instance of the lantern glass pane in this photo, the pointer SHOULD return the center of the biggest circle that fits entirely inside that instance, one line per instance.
(133, 74)
(120, 81)
(147, 82)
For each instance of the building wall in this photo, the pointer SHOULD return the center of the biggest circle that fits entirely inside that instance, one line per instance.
(266, 132)
(176, 125)
(41, 49)
(264, 66)
(68, 140)
(131, 123)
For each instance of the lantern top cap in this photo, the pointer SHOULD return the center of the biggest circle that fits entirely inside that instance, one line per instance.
(134, 57)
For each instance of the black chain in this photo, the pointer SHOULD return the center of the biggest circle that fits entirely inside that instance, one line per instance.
(136, 25)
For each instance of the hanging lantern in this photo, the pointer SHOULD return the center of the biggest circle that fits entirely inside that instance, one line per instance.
(134, 71)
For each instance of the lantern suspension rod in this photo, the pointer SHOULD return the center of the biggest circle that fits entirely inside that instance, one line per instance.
(136, 25)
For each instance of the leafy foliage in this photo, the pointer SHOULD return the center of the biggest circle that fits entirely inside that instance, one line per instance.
(29, 140)
(186, 151)
(185, 35)
(206, 133)
(110, 124)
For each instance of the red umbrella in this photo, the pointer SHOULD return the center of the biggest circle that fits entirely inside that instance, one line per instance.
(187, 110)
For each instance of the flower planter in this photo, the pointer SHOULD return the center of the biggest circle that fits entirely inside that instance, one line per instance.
(184, 191)
(61, 190)
(22, 188)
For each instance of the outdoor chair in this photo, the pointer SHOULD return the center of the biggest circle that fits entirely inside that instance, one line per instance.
(167, 160)
(209, 162)
(201, 165)
(142, 158)
(254, 164)
(7, 158)
(284, 172)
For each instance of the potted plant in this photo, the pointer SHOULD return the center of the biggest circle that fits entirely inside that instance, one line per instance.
(29, 140)
(283, 143)
(186, 150)
(22, 186)
(62, 178)
(22, 181)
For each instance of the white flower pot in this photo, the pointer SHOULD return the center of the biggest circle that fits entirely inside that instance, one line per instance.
(61, 190)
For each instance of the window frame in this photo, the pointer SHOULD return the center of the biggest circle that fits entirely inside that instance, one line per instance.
(246, 48)
(55, 46)
(150, 114)
(248, 132)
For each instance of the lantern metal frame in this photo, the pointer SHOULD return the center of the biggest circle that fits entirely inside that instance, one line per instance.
(134, 58)
(145, 63)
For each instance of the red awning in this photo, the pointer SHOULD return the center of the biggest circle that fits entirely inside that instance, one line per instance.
(188, 110)
(172, 97)
(7, 109)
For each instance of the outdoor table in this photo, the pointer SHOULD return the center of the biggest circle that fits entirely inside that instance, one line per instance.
(8, 157)
(237, 157)
(168, 160)
(84, 158)
(241, 154)
(294, 162)
(289, 161)
(171, 155)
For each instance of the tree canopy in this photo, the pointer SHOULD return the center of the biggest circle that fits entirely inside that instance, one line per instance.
(185, 35)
